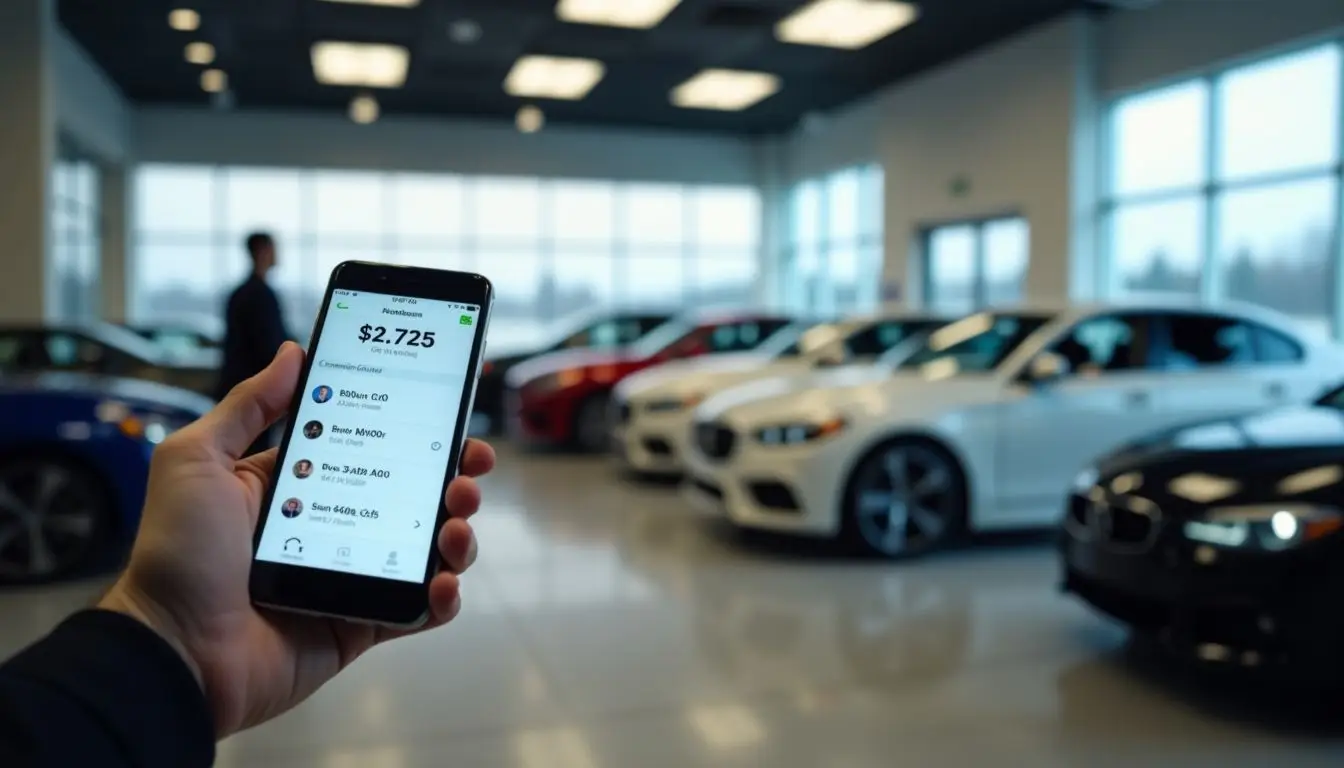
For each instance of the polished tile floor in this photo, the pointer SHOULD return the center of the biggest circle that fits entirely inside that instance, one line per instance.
(606, 626)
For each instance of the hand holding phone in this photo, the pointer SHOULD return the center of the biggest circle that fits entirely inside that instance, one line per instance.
(376, 432)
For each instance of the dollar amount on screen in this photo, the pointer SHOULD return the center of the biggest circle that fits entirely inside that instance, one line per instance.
(371, 514)
(396, 336)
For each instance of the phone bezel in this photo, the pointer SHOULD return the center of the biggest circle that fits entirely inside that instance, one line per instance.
(349, 596)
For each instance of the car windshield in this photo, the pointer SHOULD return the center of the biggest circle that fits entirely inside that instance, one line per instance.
(785, 342)
(975, 344)
(877, 338)
(662, 337)
(126, 341)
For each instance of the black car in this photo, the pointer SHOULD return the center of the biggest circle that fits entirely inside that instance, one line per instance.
(103, 349)
(605, 331)
(1224, 540)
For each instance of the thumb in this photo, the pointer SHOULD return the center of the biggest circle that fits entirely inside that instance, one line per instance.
(254, 405)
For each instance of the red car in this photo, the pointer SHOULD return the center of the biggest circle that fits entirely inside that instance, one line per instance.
(561, 398)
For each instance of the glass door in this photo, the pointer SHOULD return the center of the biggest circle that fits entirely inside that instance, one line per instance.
(973, 264)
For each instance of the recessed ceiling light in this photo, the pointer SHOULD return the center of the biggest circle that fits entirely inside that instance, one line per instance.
(214, 80)
(464, 31)
(364, 109)
(553, 77)
(390, 3)
(360, 64)
(729, 90)
(530, 119)
(200, 53)
(848, 24)
(634, 14)
(184, 20)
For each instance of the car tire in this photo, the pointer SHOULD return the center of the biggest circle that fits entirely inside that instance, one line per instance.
(905, 498)
(590, 433)
(56, 517)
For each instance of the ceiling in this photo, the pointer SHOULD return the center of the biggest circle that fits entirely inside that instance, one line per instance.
(263, 45)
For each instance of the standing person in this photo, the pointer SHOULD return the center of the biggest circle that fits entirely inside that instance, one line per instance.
(254, 325)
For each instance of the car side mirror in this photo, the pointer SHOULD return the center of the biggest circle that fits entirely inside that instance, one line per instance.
(1046, 368)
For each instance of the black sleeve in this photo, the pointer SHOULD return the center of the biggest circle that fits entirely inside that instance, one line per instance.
(102, 690)
(270, 326)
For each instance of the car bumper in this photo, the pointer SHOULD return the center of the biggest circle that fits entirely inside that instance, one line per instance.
(539, 421)
(652, 443)
(794, 490)
(1250, 610)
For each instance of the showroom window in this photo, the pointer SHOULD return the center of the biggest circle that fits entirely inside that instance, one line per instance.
(554, 248)
(970, 265)
(833, 258)
(75, 238)
(1228, 187)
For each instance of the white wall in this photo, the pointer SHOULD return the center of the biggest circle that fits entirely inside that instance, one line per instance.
(1003, 119)
(89, 108)
(1180, 37)
(457, 146)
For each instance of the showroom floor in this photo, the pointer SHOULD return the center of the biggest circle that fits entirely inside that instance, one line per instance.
(605, 626)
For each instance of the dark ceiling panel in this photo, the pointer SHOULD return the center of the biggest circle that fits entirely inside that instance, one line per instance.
(264, 46)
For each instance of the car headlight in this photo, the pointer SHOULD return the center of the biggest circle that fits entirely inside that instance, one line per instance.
(1083, 481)
(1269, 527)
(798, 433)
(673, 404)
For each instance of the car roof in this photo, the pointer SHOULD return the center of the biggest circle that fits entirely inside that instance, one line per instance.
(1168, 303)
(114, 336)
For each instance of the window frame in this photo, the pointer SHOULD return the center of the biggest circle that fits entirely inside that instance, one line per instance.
(1211, 187)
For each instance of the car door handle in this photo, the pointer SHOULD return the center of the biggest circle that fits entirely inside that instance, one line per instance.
(1276, 391)
(1138, 399)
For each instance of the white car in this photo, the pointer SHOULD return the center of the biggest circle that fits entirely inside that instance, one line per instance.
(652, 409)
(989, 423)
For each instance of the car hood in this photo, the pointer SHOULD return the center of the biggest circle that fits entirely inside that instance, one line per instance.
(857, 391)
(149, 394)
(1287, 455)
(554, 362)
(700, 375)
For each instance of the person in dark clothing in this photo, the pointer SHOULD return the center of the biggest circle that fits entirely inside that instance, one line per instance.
(254, 326)
(175, 657)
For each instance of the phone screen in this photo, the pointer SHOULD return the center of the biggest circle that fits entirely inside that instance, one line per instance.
(359, 483)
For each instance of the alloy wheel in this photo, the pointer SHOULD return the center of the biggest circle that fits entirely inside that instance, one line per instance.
(51, 517)
(906, 499)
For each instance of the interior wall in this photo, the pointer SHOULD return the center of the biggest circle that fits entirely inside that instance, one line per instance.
(1180, 37)
(90, 109)
(176, 135)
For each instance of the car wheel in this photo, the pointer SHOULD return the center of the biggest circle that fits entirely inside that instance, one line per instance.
(590, 425)
(54, 519)
(905, 498)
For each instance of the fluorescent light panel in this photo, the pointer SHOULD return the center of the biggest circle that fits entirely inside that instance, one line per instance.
(633, 14)
(214, 81)
(364, 109)
(729, 90)
(553, 77)
(200, 53)
(389, 3)
(184, 20)
(365, 65)
(846, 24)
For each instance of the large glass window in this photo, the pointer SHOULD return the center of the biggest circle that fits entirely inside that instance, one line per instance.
(975, 264)
(833, 261)
(1227, 187)
(76, 241)
(551, 247)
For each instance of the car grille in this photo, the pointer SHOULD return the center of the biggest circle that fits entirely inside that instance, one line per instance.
(622, 413)
(1128, 525)
(715, 440)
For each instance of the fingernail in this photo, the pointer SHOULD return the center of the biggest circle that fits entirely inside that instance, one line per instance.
(471, 551)
(457, 606)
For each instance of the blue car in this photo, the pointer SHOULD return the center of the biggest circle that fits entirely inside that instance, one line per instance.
(74, 463)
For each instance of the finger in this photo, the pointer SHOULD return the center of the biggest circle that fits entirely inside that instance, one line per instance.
(457, 545)
(254, 405)
(445, 603)
(463, 497)
(478, 458)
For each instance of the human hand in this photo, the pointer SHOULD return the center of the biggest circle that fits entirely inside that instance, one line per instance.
(188, 574)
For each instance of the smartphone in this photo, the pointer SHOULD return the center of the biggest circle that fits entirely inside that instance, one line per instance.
(348, 527)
